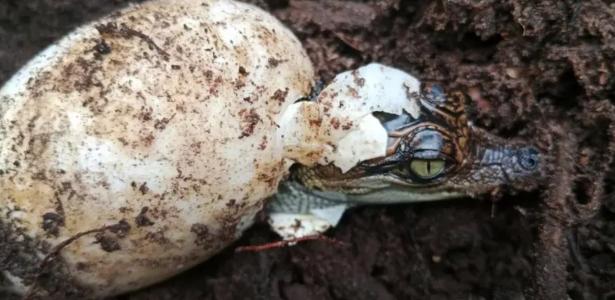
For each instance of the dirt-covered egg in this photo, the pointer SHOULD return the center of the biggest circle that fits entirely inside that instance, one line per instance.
(141, 144)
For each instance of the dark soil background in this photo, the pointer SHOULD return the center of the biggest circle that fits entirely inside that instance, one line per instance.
(541, 70)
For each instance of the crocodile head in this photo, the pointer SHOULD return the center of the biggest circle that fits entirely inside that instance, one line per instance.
(437, 155)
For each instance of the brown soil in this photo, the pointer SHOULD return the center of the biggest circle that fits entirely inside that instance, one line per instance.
(540, 70)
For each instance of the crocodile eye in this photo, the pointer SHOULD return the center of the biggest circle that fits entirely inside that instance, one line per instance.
(427, 168)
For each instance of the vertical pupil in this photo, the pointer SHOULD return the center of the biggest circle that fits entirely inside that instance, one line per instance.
(427, 168)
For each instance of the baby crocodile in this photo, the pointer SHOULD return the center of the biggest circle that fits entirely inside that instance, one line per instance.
(439, 155)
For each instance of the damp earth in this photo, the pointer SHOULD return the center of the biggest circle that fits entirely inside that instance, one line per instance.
(538, 70)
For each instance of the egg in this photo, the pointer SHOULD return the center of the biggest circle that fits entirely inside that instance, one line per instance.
(143, 143)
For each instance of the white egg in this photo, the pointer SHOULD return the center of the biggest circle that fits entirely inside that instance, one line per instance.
(142, 144)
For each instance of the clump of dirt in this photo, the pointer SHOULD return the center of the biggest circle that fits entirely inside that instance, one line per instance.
(540, 70)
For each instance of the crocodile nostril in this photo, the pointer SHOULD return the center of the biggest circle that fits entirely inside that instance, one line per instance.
(529, 158)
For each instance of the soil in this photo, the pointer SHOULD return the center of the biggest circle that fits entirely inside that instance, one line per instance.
(540, 70)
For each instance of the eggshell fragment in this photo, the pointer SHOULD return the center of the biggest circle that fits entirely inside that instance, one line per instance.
(141, 144)
(339, 127)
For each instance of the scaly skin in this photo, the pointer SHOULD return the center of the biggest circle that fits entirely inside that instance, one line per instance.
(475, 162)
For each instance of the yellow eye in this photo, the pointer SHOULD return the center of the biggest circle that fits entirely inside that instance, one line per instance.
(427, 168)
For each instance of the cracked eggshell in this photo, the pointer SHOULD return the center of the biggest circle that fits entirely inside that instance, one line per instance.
(161, 118)
(339, 127)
